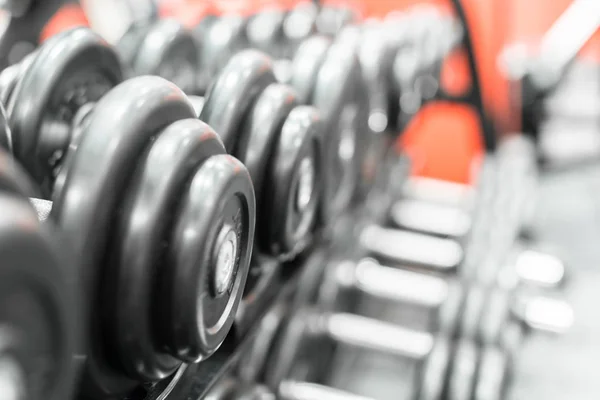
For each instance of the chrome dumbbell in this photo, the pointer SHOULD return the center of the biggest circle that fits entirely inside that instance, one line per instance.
(433, 365)
(484, 314)
(445, 256)
(462, 309)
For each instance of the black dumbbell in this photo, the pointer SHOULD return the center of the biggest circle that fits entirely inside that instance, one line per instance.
(262, 123)
(161, 218)
(263, 126)
(45, 96)
(299, 23)
(327, 76)
(39, 311)
(164, 48)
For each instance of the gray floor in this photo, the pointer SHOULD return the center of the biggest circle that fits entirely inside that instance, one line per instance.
(549, 367)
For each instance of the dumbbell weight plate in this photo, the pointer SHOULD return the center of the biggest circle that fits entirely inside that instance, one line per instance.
(201, 35)
(155, 189)
(252, 363)
(463, 370)
(120, 129)
(265, 31)
(306, 65)
(38, 315)
(223, 38)
(5, 134)
(227, 209)
(128, 45)
(72, 68)
(431, 378)
(258, 140)
(336, 95)
(298, 354)
(493, 375)
(229, 98)
(299, 24)
(167, 49)
(295, 173)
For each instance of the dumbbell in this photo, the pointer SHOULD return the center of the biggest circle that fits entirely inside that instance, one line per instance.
(147, 186)
(339, 159)
(277, 143)
(335, 93)
(300, 355)
(165, 48)
(38, 302)
(264, 127)
(485, 314)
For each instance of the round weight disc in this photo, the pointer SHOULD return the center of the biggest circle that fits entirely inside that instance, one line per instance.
(295, 174)
(299, 24)
(311, 278)
(70, 69)
(298, 353)
(493, 375)
(168, 50)
(235, 89)
(223, 38)
(431, 379)
(211, 266)
(475, 300)
(258, 141)
(337, 97)
(201, 33)
(495, 317)
(5, 134)
(129, 44)
(463, 371)
(38, 334)
(118, 133)
(306, 65)
(450, 313)
(253, 361)
(146, 217)
(265, 31)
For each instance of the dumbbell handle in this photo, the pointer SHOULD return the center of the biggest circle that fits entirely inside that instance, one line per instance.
(443, 255)
(394, 284)
(379, 336)
(412, 248)
(294, 390)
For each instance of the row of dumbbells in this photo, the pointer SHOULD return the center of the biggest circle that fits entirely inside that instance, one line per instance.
(49, 137)
(451, 338)
(476, 322)
(147, 225)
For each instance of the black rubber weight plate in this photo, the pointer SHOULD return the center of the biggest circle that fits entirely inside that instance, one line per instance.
(38, 334)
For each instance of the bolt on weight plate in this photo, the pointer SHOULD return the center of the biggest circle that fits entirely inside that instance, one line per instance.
(264, 31)
(69, 70)
(295, 174)
(260, 136)
(306, 65)
(145, 163)
(38, 313)
(236, 88)
(337, 97)
(220, 41)
(164, 48)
